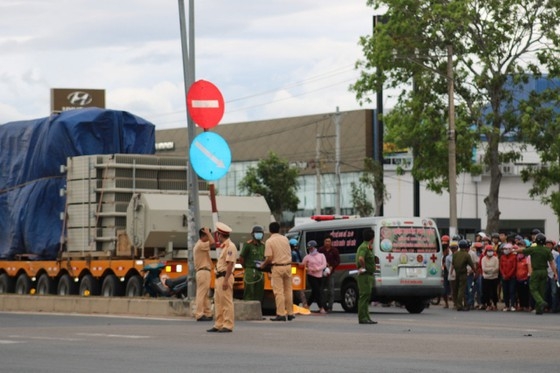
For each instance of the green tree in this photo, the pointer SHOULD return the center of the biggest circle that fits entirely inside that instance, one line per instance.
(360, 202)
(541, 128)
(276, 181)
(495, 43)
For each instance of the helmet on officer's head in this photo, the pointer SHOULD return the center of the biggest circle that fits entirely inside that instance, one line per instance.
(457, 237)
(445, 238)
(293, 242)
(463, 244)
(257, 228)
(540, 239)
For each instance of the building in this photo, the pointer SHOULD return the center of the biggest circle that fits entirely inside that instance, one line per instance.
(309, 143)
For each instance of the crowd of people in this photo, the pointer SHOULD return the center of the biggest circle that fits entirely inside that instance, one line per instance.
(501, 271)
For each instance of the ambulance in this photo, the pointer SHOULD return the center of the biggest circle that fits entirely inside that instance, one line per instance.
(407, 250)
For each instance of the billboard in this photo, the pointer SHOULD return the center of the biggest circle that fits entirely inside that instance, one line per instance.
(63, 99)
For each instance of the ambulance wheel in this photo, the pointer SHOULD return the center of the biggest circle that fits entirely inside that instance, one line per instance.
(6, 284)
(415, 306)
(45, 285)
(88, 286)
(350, 297)
(66, 286)
(134, 287)
(23, 284)
(111, 287)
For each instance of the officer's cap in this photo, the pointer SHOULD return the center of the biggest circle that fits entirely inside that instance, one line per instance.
(223, 229)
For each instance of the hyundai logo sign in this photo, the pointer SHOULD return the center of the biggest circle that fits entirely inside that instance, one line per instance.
(63, 99)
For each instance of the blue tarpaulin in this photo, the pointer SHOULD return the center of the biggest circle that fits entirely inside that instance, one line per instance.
(31, 153)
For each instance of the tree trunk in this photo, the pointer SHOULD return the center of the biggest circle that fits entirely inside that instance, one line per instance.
(492, 200)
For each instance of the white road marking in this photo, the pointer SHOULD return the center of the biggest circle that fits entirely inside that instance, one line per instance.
(113, 335)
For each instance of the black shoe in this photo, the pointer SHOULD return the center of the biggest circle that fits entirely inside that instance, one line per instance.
(213, 330)
(291, 317)
(278, 318)
(225, 330)
(371, 322)
(205, 318)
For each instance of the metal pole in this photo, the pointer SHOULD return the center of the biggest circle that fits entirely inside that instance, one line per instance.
(337, 164)
(452, 149)
(193, 209)
(378, 156)
(318, 174)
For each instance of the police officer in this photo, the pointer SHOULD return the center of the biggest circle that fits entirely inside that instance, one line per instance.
(203, 266)
(223, 286)
(461, 259)
(251, 252)
(365, 262)
(541, 257)
(277, 252)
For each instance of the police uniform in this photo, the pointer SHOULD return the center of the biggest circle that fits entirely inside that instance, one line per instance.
(540, 256)
(223, 299)
(461, 259)
(202, 266)
(277, 247)
(365, 281)
(253, 251)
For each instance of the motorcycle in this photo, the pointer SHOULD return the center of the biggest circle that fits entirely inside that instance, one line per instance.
(153, 285)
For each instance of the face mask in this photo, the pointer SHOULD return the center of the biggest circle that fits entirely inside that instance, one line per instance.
(490, 253)
(258, 236)
(507, 251)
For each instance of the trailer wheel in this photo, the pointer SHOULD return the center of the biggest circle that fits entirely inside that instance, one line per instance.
(134, 286)
(88, 286)
(66, 286)
(6, 284)
(111, 287)
(23, 284)
(45, 285)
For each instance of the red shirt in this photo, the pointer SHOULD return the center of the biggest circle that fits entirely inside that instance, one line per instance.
(508, 266)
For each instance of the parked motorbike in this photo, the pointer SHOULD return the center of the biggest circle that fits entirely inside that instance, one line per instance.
(153, 285)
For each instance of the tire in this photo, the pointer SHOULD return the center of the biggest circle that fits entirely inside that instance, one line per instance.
(66, 286)
(23, 284)
(435, 301)
(88, 286)
(45, 285)
(134, 287)
(350, 297)
(415, 306)
(111, 287)
(6, 284)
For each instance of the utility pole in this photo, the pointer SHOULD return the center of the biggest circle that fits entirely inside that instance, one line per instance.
(337, 161)
(193, 209)
(452, 146)
(378, 125)
(318, 174)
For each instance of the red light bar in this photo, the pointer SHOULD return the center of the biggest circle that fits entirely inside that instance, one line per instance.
(329, 217)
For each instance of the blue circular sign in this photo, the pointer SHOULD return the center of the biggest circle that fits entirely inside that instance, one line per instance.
(210, 156)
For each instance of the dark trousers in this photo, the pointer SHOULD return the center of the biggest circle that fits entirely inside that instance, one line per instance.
(490, 292)
(508, 288)
(316, 290)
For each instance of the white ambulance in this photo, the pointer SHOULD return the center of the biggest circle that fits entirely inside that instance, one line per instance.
(407, 254)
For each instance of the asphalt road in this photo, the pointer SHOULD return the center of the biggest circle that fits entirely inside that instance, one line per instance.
(437, 340)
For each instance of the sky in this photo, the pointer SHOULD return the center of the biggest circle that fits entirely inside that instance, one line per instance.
(269, 58)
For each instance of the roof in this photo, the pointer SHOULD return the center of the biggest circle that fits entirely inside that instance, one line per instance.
(294, 139)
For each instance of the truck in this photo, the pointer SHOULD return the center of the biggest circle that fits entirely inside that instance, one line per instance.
(85, 205)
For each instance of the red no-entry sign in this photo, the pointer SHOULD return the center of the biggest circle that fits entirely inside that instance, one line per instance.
(205, 104)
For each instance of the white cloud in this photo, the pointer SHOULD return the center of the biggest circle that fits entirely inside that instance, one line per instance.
(270, 59)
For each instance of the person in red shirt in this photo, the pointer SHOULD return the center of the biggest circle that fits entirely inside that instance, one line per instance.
(522, 278)
(508, 267)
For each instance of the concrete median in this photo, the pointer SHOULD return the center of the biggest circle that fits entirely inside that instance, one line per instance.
(161, 307)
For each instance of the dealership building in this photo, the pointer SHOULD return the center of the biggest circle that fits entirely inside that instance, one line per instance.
(329, 151)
